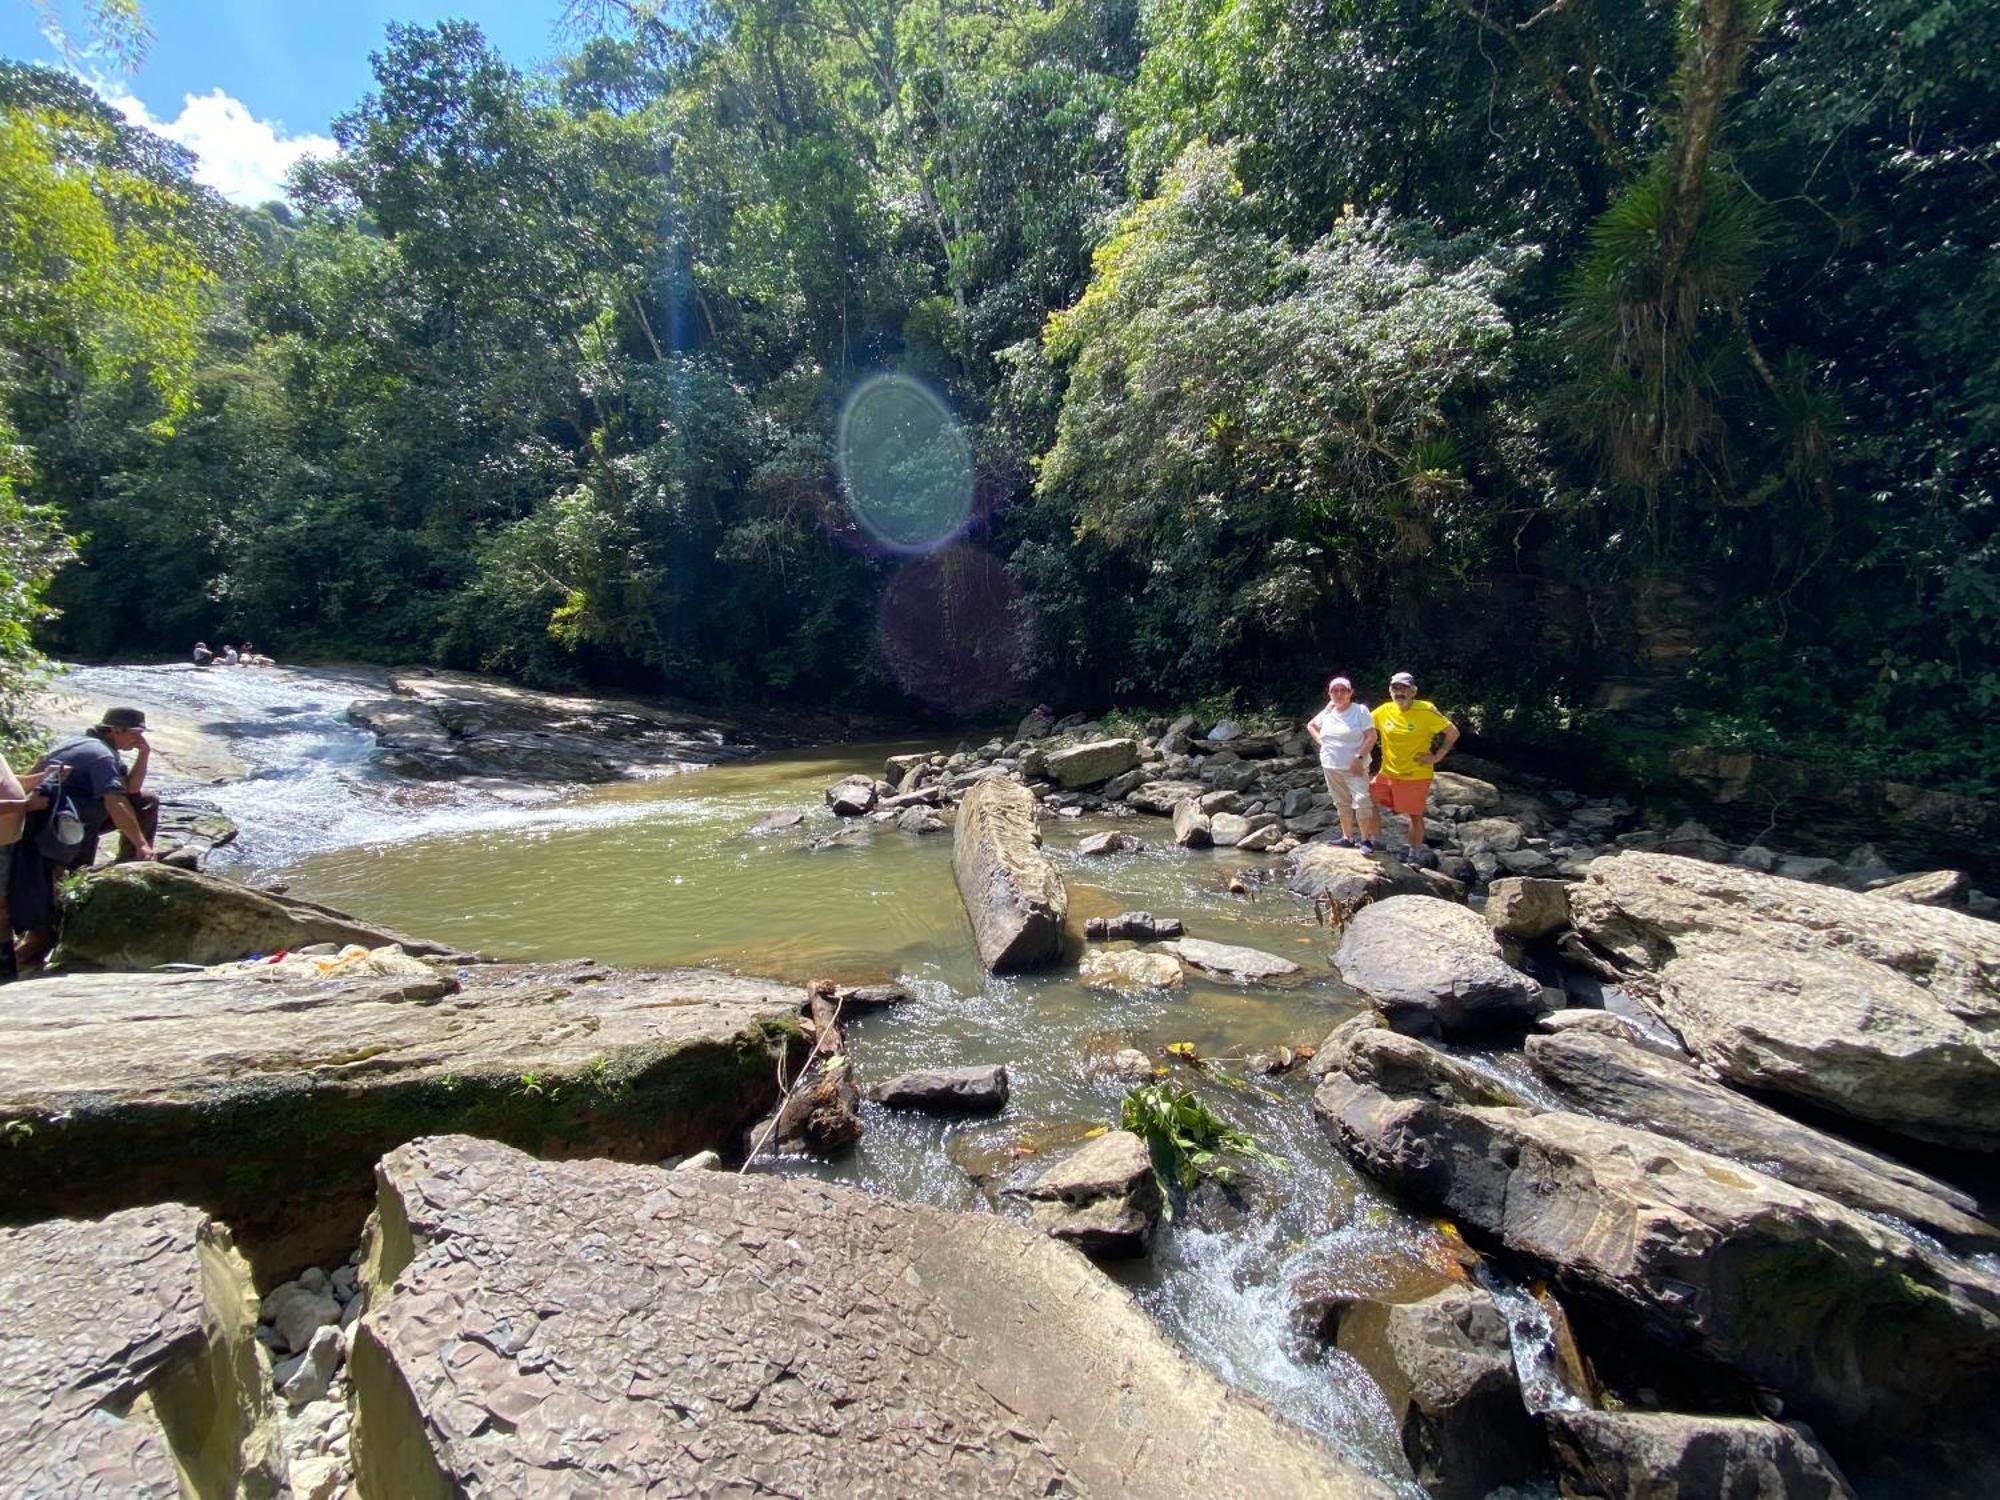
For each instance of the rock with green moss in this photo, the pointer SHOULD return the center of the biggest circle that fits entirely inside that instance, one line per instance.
(267, 1100)
(591, 1327)
(131, 1363)
(137, 916)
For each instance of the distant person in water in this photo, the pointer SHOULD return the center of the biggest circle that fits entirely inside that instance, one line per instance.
(202, 655)
(248, 657)
(106, 793)
(228, 657)
(1345, 733)
(1415, 738)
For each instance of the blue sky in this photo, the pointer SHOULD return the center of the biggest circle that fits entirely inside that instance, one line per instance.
(281, 71)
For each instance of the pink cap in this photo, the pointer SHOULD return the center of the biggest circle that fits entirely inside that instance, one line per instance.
(1340, 682)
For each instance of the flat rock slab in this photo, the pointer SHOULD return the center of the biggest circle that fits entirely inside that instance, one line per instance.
(1086, 765)
(134, 916)
(452, 724)
(946, 1091)
(1434, 968)
(1342, 881)
(1877, 1009)
(591, 1327)
(266, 1101)
(126, 1341)
(1247, 965)
(1013, 896)
(1129, 969)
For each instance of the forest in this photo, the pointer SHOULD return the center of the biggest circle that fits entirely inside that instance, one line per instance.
(1626, 368)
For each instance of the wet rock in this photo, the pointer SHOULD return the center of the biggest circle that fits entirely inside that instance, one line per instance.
(1620, 1028)
(186, 836)
(1191, 826)
(908, 1351)
(1406, 1068)
(1012, 893)
(267, 1100)
(1933, 888)
(135, 916)
(1161, 798)
(128, 1355)
(1101, 1198)
(1434, 969)
(298, 1312)
(1605, 1455)
(1342, 881)
(1446, 1369)
(316, 1366)
(1527, 909)
(776, 822)
(1098, 844)
(821, 1117)
(1131, 1065)
(1851, 1323)
(1129, 969)
(860, 999)
(1087, 765)
(852, 796)
(1875, 1009)
(1615, 1079)
(1247, 965)
(946, 1091)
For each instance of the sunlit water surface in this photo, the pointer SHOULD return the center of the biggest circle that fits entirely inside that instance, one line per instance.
(667, 872)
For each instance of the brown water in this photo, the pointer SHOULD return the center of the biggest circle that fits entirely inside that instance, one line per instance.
(665, 872)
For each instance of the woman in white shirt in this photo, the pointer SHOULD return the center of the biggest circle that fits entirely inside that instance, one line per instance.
(1345, 733)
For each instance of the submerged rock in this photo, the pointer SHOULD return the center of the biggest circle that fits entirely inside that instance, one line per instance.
(1446, 1369)
(1877, 1009)
(267, 1100)
(1102, 1198)
(1130, 969)
(129, 1359)
(135, 916)
(946, 1091)
(1434, 969)
(793, 1329)
(1247, 965)
(1113, 842)
(1617, 1455)
(1012, 893)
(1622, 1081)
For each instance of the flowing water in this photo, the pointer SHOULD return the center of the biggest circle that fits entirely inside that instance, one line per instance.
(667, 872)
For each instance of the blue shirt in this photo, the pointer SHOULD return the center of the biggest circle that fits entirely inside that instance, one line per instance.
(94, 773)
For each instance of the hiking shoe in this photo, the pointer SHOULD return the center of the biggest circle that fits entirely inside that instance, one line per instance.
(1366, 846)
(1341, 841)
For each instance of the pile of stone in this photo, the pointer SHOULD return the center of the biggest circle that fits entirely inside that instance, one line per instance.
(306, 1323)
(1675, 1168)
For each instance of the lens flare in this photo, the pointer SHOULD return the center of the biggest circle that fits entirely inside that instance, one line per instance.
(955, 630)
(905, 465)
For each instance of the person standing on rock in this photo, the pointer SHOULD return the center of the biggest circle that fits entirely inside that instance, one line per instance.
(1415, 738)
(1345, 733)
(106, 792)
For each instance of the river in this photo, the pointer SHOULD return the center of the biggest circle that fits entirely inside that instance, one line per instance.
(666, 872)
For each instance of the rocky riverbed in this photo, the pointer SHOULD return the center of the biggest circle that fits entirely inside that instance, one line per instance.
(1645, 1173)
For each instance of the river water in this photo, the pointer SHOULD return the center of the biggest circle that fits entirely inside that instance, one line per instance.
(666, 872)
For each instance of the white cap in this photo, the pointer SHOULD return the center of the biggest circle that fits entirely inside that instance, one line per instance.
(1403, 679)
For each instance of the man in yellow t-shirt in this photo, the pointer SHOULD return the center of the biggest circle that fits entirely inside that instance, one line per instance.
(1415, 737)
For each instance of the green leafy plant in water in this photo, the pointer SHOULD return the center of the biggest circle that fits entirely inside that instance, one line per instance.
(1188, 1140)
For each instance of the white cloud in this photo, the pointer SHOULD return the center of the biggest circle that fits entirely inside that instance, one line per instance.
(243, 158)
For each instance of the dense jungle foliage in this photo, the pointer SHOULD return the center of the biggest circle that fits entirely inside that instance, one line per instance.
(1569, 352)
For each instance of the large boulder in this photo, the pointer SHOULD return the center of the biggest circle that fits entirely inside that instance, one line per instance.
(1880, 1010)
(1527, 909)
(134, 916)
(1342, 881)
(1434, 968)
(1192, 827)
(796, 1336)
(1228, 961)
(1160, 798)
(266, 1098)
(1086, 765)
(129, 1359)
(852, 796)
(1620, 1080)
(1012, 893)
(1604, 1455)
(1446, 1369)
(1102, 1198)
(1854, 1325)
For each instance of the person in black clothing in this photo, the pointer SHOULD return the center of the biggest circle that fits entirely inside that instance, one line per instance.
(106, 792)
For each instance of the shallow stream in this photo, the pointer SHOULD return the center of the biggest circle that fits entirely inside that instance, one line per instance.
(666, 872)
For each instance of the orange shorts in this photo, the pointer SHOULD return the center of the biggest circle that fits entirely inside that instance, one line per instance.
(1405, 797)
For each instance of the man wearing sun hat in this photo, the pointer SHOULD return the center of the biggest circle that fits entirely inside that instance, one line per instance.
(1415, 737)
(1345, 735)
